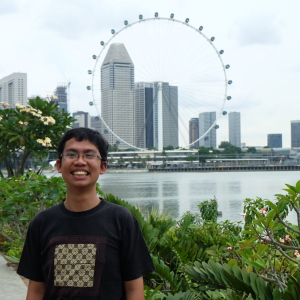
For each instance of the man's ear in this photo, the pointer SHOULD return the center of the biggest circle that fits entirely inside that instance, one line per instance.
(58, 165)
(103, 167)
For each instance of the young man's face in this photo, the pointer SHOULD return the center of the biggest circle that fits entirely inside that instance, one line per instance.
(80, 171)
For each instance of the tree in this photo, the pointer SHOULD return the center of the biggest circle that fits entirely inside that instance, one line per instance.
(251, 150)
(170, 147)
(229, 148)
(30, 131)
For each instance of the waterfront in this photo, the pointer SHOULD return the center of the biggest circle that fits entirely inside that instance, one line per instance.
(177, 193)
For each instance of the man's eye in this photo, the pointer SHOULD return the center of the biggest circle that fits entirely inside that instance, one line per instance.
(89, 155)
(71, 155)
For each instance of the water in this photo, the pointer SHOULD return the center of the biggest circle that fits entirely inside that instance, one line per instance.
(177, 193)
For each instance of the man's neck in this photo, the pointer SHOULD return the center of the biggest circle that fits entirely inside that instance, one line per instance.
(81, 202)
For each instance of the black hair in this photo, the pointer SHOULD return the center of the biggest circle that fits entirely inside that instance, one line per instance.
(84, 134)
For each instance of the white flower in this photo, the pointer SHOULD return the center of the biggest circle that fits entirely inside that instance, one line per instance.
(4, 104)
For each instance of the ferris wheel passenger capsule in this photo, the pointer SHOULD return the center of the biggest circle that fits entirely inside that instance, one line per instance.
(141, 17)
(227, 66)
(105, 131)
(125, 22)
(90, 72)
(91, 103)
(94, 56)
(224, 113)
(113, 31)
(212, 38)
(201, 28)
(101, 43)
(187, 20)
(228, 97)
(156, 15)
(88, 88)
(217, 126)
(230, 82)
(171, 16)
(97, 118)
(221, 51)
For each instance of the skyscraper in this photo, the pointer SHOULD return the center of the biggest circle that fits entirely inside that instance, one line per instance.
(234, 119)
(275, 140)
(295, 134)
(83, 119)
(170, 114)
(117, 95)
(143, 103)
(61, 97)
(13, 89)
(194, 132)
(206, 120)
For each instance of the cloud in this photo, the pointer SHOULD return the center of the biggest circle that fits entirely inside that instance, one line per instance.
(258, 30)
(7, 7)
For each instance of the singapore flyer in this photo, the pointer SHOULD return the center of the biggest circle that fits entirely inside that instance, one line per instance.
(180, 72)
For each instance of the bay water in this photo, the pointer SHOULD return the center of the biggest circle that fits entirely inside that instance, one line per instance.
(179, 192)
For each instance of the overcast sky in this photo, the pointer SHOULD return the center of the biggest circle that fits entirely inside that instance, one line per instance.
(53, 42)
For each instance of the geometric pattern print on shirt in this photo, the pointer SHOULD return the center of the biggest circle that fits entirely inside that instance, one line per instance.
(74, 265)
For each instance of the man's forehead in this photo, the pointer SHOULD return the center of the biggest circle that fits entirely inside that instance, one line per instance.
(82, 145)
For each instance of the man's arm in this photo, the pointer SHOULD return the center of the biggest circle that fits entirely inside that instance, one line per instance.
(36, 290)
(134, 289)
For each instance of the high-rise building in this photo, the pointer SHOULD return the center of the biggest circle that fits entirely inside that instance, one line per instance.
(61, 96)
(169, 112)
(295, 134)
(96, 124)
(275, 140)
(206, 120)
(143, 103)
(194, 132)
(234, 128)
(13, 89)
(117, 95)
(83, 119)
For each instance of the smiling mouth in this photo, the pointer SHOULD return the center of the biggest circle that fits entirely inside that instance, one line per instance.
(80, 173)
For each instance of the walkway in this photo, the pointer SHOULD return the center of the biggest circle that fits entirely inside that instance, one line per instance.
(12, 286)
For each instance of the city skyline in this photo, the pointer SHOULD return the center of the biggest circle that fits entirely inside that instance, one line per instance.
(264, 85)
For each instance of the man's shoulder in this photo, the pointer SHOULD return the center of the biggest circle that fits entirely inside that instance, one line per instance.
(117, 209)
(46, 213)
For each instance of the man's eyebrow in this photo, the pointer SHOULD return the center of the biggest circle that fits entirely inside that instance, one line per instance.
(85, 151)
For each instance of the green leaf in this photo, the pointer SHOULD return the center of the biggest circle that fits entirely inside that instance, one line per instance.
(261, 248)
(272, 205)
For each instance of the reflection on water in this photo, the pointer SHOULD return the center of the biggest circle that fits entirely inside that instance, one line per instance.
(234, 187)
(176, 193)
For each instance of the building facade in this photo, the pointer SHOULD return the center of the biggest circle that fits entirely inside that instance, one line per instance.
(275, 140)
(13, 89)
(169, 112)
(83, 119)
(206, 121)
(117, 95)
(61, 97)
(194, 132)
(234, 121)
(295, 134)
(143, 103)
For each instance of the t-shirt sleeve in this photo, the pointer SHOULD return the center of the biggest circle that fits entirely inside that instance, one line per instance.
(135, 258)
(30, 265)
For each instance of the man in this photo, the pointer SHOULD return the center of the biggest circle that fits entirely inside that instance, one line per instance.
(84, 248)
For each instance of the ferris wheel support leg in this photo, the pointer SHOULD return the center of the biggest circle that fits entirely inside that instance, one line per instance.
(160, 117)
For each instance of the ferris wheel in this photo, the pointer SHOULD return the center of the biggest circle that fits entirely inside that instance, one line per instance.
(173, 52)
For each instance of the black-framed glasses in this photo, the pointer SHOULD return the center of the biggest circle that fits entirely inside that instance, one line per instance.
(75, 155)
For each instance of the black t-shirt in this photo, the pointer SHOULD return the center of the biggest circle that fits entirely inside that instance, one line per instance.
(85, 255)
